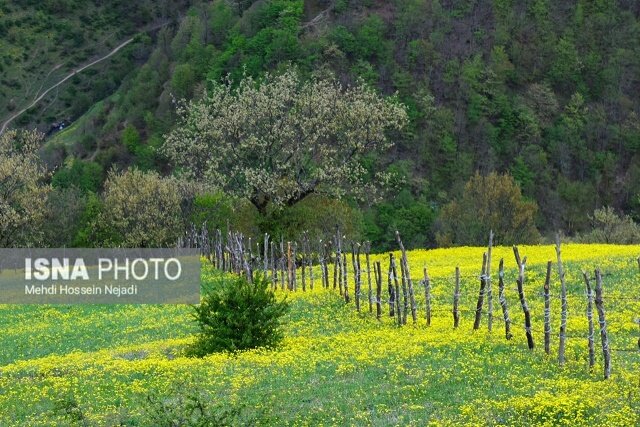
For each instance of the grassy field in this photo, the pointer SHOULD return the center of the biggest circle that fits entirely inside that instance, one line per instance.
(122, 365)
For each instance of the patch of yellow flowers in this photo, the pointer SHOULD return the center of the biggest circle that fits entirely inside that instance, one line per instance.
(340, 367)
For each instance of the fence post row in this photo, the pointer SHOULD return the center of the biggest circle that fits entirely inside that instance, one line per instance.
(235, 254)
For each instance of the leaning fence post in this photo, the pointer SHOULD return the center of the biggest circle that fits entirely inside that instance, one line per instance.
(408, 282)
(563, 297)
(476, 323)
(392, 292)
(523, 301)
(592, 355)
(606, 350)
(456, 299)
(547, 310)
(503, 301)
(488, 285)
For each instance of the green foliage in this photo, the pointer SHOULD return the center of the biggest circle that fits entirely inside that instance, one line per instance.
(612, 228)
(86, 176)
(140, 210)
(541, 89)
(235, 315)
(491, 202)
(316, 214)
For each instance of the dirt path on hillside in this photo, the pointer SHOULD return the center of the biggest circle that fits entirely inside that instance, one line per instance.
(70, 75)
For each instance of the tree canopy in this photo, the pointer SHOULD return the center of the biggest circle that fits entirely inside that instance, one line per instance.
(279, 139)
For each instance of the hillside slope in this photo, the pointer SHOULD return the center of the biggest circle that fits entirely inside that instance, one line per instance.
(546, 91)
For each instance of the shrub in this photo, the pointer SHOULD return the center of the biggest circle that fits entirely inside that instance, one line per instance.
(140, 210)
(609, 227)
(238, 315)
(492, 202)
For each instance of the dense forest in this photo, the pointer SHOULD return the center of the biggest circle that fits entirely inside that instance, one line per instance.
(544, 92)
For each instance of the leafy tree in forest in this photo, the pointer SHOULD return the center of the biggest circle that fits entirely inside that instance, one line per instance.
(281, 139)
(22, 192)
(140, 209)
(491, 202)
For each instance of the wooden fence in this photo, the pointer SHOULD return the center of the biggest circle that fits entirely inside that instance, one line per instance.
(293, 266)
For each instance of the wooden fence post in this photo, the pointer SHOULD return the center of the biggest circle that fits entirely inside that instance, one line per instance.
(266, 254)
(289, 268)
(274, 270)
(523, 301)
(282, 263)
(427, 295)
(392, 292)
(294, 268)
(408, 282)
(345, 278)
(606, 350)
(503, 301)
(456, 299)
(488, 285)
(476, 323)
(356, 274)
(310, 260)
(563, 298)
(592, 353)
(378, 275)
(367, 249)
(547, 310)
(303, 260)
(394, 271)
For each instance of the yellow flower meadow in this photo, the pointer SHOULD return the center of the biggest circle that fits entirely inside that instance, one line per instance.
(108, 365)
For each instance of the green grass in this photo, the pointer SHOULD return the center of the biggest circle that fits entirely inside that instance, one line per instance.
(105, 365)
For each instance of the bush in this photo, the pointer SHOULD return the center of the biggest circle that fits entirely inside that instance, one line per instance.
(140, 210)
(238, 315)
(492, 202)
(609, 227)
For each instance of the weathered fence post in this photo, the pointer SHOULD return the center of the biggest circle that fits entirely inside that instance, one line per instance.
(355, 260)
(378, 275)
(503, 301)
(294, 269)
(282, 263)
(394, 272)
(310, 260)
(563, 298)
(345, 278)
(367, 249)
(476, 323)
(274, 270)
(327, 252)
(408, 282)
(289, 268)
(592, 353)
(427, 295)
(547, 310)
(456, 299)
(488, 285)
(303, 260)
(265, 260)
(392, 292)
(606, 350)
(523, 301)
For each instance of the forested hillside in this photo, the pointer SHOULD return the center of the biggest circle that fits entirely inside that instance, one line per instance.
(547, 92)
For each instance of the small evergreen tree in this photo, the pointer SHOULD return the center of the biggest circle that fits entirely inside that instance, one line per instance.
(238, 315)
